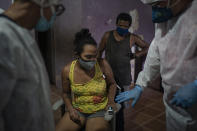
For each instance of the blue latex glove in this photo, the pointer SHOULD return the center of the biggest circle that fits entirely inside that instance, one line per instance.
(186, 96)
(131, 94)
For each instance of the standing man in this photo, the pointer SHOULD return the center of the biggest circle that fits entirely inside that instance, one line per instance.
(117, 45)
(173, 55)
(24, 90)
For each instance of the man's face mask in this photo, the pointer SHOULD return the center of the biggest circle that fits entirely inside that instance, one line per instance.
(122, 31)
(43, 24)
(88, 65)
(161, 14)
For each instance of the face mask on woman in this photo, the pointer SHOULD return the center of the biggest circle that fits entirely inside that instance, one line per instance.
(88, 65)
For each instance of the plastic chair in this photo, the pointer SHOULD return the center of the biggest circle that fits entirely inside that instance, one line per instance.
(60, 104)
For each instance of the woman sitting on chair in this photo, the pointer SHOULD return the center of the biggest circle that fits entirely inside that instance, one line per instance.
(88, 88)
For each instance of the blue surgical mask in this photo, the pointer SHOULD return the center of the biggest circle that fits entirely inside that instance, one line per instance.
(160, 15)
(88, 65)
(122, 31)
(43, 24)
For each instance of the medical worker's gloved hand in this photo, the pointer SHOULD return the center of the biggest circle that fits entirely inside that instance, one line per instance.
(134, 94)
(186, 96)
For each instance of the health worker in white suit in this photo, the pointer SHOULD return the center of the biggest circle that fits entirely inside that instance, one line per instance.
(173, 54)
(24, 85)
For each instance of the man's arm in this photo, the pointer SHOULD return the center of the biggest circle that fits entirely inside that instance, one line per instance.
(102, 44)
(140, 43)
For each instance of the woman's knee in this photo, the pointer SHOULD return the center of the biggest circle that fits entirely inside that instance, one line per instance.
(101, 128)
(67, 127)
(65, 124)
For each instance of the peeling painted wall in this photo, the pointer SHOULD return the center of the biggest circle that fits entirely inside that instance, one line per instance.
(65, 27)
(4, 4)
(100, 16)
(97, 15)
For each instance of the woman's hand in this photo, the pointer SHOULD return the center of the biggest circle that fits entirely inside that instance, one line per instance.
(74, 116)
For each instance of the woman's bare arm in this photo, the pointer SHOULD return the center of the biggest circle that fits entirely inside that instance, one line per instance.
(66, 87)
(111, 84)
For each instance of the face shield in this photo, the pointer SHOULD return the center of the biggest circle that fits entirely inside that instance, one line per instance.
(159, 14)
(46, 3)
(58, 8)
(151, 1)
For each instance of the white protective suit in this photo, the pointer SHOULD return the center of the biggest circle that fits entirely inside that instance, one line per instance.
(173, 54)
(24, 90)
(1, 10)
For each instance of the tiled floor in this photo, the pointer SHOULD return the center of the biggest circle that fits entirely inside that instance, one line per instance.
(147, 115)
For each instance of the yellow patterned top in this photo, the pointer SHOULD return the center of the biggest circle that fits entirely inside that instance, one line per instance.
(89, 97)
